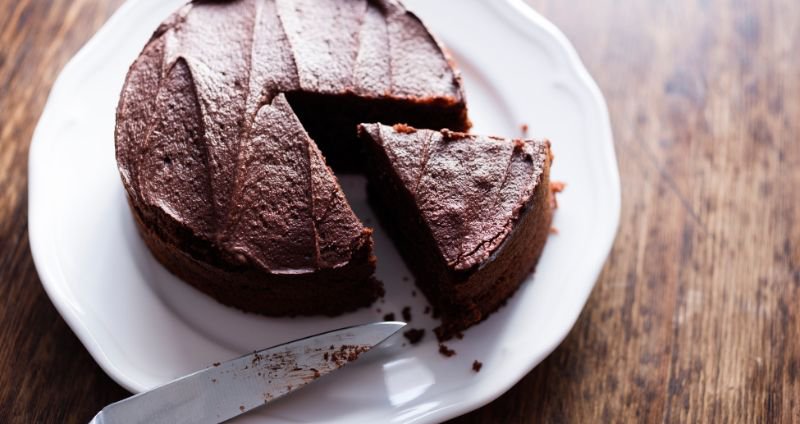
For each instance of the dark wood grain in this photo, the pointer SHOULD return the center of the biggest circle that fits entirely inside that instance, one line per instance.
(45, 373)
(696, 316)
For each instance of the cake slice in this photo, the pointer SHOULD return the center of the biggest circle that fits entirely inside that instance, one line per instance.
(469, 214)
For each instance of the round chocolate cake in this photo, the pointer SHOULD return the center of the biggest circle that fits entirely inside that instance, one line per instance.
(226, 123)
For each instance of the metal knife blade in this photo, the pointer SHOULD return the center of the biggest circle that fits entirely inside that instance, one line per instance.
(225, 390)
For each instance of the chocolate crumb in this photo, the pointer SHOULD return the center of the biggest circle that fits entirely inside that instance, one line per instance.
(346, 354)
(446, 351)
(213, 380)
(448, 135)
(216, 364)
(414, 335)
(241, 408)
(325, 356)
(427, 310)
(476, 366)
(413, 293)
(405, 278)
(389, 317)
(459, 335)
(553, 230)
(404, 129)
(524, 128)
(378, 310)
(407, 314)
(555, 187)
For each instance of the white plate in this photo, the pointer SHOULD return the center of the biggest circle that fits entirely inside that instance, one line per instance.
(145, 327)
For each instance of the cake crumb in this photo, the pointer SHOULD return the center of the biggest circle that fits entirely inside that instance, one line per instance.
(476, 366)
(404, 128)
(414, 335)
(448, 135)
(446, 351)
(553, 230)
(241, 408)
(407, 314)
(346, 353)
(557, 186)
(388, 317)
(524, 128)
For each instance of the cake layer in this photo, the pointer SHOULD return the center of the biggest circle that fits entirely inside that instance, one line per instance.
(323, 292)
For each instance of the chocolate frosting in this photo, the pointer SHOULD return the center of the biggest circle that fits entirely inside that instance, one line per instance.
(470, 190)
(207, 144)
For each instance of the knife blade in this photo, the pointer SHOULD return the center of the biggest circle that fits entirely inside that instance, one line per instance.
(225, 390)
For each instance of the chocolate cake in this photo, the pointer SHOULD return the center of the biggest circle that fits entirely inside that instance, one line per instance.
(469, 214)
(219, 130)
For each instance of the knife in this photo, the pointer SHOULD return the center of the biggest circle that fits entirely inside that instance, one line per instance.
(226, 390)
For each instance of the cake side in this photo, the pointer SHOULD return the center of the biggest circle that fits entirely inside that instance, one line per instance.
(470, 241)
(484, 291)
(329, 292)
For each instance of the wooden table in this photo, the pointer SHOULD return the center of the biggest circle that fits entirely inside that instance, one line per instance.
(697, 313)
